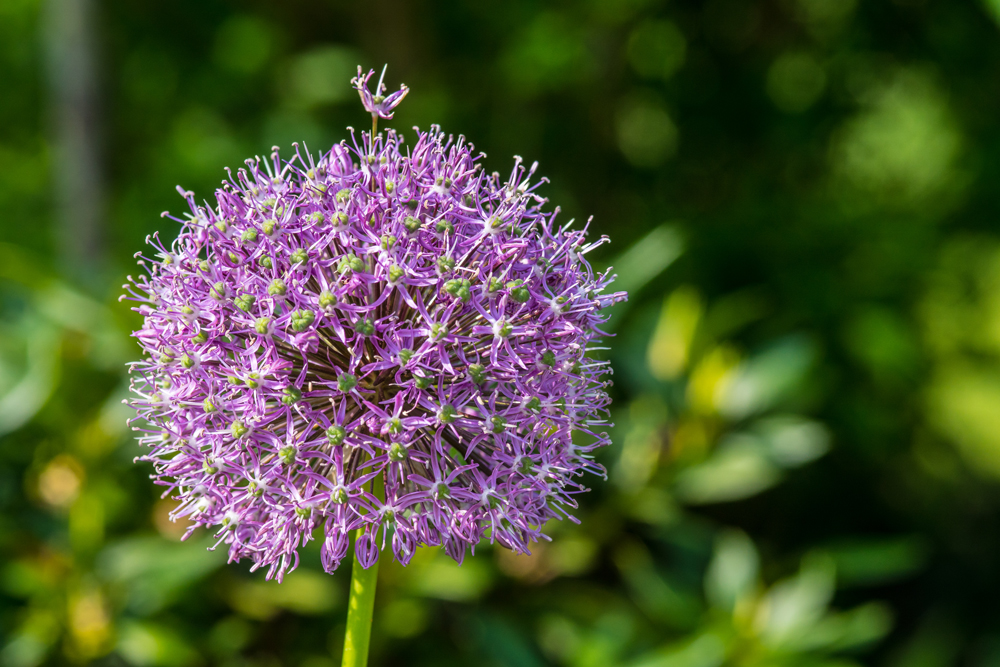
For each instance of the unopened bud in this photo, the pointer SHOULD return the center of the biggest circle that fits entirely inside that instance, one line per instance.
(301, 319)
(346, 382)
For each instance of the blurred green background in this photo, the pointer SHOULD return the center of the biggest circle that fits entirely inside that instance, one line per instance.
(804, 201)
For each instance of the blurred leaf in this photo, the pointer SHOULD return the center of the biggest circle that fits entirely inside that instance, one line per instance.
(707, 650)
(432, 574)
(150, 644)
(878, 561)
(645, 260)
(152, 572)
(738, 469)
(732, 574)
(792, 441)
(303, 591)
(31, 641)
(670, 345)
(768, 378)
(651, 592)
(792, 608)
(964, 404)
(29, 366)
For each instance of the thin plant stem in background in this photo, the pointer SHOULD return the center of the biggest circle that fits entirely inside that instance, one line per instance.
(360, 609)
(75, 112)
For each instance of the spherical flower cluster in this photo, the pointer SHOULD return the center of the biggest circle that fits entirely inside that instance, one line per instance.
(384, 338)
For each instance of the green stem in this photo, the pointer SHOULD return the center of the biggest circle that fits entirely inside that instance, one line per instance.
(359, 612)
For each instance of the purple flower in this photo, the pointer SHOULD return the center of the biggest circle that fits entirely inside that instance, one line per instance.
(378, 104)
(382, 337)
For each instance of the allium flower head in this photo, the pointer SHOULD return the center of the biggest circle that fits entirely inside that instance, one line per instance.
(382, 337)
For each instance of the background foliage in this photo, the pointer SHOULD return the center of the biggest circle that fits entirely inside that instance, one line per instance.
(803, 200)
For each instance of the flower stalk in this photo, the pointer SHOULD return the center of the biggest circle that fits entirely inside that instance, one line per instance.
(359, 612)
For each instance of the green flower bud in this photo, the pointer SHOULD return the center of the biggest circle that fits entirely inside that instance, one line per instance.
(548, 358)
(203, 265)
(499, 424)
(222, 226)
(343, 196)
(533, 404)
(423, 382)
(251, 380)
(239, 429)
(520, 294)
(365, 327)
(234, 380)
(291, 395)
(495, 284)
(209, 467)
(405, 355)
(233, 257)
(277, 287)
(458, 288)
(249, 236)
(270, 227)
(300, 256)
(397, 453)
(302, 319)
(336, 434)
(201, 337)
(390, 187)
(527, 466)
(287, 454)
(187, 362)
(245, 302)
(209, 406)
(350, 262)
(265, 262)
(388, 240)
(411, 223)
(476, 373)
(339, 219)
(395, 273)
(438, 331)
(262, 325)
(303, 512)
(445, 264)
(395, 425)
(346, 382)
(218, 291)
(447, 414)
(327, 300)
(443, 226)
(339, 496)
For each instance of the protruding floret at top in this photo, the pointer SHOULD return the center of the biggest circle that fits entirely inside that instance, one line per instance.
(380, 312)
